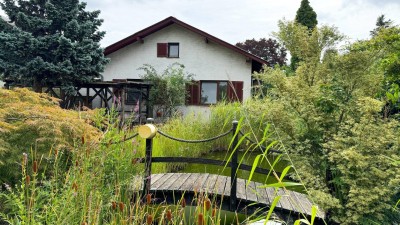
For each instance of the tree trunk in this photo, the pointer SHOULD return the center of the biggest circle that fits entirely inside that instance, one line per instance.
(37, 86)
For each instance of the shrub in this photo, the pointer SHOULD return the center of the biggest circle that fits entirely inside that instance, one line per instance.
(35, 123)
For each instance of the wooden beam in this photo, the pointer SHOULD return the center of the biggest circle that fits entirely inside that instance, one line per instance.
(139, 39)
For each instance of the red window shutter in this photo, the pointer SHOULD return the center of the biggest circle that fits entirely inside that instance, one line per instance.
(193, 91)
(235, 91)
(162, 50)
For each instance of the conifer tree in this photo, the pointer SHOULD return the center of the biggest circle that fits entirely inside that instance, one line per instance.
(52, 42)
(306, 15)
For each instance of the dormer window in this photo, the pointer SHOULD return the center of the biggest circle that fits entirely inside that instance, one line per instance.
(169, 50)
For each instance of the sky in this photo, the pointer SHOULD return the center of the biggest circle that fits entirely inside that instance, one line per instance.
(237, 20)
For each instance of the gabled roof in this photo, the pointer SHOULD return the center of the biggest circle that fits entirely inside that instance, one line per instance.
(167, 22)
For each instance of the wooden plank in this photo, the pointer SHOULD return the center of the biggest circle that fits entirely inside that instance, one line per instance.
(170, 181)
(285, 201)
(271, 195)
(155, 177)
(194, 182)
(262, 196)
(219, 186)
(303, 202)
(187, 186)
(208, 186)
(160, 181)
(227, 189)
(241, 189)
(202, 178)
(179, 182)
(251, 191)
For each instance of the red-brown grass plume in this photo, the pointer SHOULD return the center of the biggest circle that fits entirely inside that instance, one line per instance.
(183, 202)
(200, 219)
(214, 212)
(207, 204)
(35, 166)
(28, 179)
(114, 205)
(149, 219)
(169, 215)
(121, 206)
(148, 199)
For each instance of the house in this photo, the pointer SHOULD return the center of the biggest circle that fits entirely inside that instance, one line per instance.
(221, 70)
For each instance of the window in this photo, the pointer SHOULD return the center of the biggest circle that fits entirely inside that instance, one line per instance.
(173, 50)
(170, 50)
(213, 91)
(210, 92)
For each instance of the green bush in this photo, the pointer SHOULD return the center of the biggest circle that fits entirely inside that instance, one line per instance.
(35, 124)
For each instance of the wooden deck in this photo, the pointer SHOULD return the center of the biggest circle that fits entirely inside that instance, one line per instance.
(213, 184)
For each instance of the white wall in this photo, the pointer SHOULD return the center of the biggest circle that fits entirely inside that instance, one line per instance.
(207, 61)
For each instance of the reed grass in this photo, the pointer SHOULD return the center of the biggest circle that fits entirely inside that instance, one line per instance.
(97, 182)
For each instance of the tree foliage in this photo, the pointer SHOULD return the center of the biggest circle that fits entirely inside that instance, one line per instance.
(268, 49)
(168, 88)
(330, 122)
(35, 123)
(306, 15)
(51, 43)
(381, 23)
(307, 46)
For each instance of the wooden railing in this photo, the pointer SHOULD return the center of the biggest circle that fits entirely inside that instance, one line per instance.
(149, 130)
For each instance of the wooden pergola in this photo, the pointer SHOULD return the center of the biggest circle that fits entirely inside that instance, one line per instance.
(127, 97)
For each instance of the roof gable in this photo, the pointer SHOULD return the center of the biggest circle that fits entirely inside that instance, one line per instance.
(138, 36)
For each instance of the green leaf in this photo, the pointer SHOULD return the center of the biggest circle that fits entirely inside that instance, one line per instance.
(281, 184)
(398, 202)
(298, 222)
(274, 203)
(253, 168)
(284, 172)
(314, 210)
(273, 164)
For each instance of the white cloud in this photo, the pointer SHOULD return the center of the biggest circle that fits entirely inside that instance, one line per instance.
(238, 20)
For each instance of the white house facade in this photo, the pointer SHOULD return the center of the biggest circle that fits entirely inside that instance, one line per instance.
(220, 69)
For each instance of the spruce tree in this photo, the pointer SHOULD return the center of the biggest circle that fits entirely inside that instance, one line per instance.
(306, 16)
(51, 42)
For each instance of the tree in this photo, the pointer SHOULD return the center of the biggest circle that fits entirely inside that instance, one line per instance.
(268, 49)
(53, 42)
(386, 42)
(381, 23)
(168, 88)
(305, 45)
(331, 124)
(305, 16)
